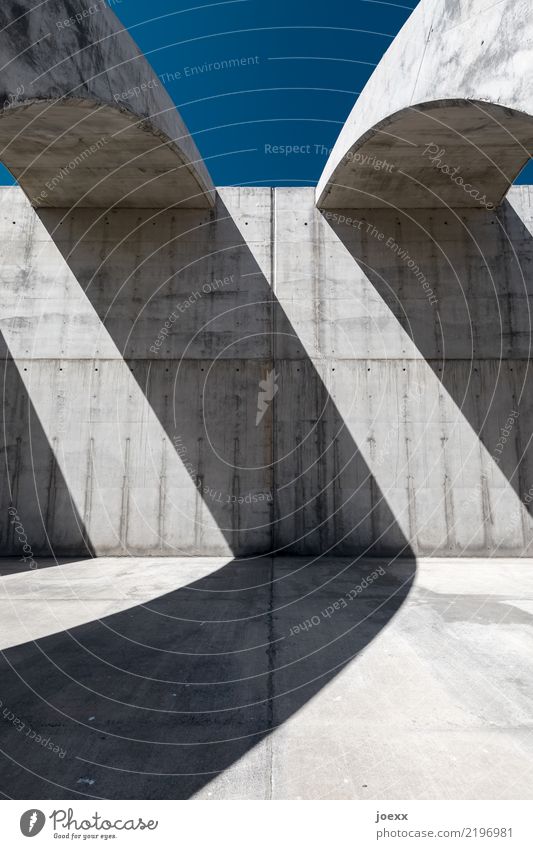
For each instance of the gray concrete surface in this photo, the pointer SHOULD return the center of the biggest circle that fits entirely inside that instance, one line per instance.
(139, 669)
(84, 119)
(401, 352)
(448, 102)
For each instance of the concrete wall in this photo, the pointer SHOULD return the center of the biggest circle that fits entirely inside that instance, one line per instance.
(395, 369)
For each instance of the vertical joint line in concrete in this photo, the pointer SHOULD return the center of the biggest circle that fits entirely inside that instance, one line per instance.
(273, 328)
(270, 685)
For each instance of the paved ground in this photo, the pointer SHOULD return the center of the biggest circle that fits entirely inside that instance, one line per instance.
(285, 678)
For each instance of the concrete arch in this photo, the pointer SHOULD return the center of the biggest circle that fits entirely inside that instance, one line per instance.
(84, 118)
(447, 106)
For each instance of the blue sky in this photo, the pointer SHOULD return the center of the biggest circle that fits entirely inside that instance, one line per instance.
(238, 115)
(302, 63)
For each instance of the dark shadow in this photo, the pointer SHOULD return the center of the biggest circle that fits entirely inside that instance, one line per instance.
(36, 507)
(156, 701)
(294, 481)
(477, 336)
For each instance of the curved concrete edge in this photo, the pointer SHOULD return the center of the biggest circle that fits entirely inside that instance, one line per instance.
(80, 153)
(452, 79)
(84, 119)
(456, 153)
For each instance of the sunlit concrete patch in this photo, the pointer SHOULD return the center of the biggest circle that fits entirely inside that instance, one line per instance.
(52, 598)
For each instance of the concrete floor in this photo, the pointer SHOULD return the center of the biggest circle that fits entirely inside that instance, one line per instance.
(180, 678)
